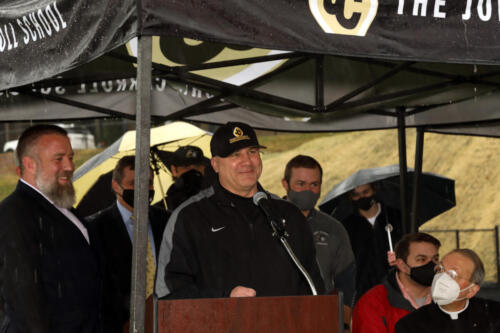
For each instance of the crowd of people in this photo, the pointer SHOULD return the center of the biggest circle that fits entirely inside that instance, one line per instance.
(217, 234)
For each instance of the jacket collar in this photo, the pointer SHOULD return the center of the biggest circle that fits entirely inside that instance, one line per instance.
(225, 197)
(394, 294)
(312, 213)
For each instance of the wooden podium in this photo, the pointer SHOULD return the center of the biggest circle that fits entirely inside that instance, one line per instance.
(252, 314)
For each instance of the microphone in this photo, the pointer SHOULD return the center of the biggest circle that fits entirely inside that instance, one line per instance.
(258, 197)
(262, 200)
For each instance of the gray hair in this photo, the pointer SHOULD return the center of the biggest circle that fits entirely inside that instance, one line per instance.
(477, 276)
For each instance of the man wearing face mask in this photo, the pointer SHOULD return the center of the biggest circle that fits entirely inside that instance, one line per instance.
(454, 309)
(406, 288)
(113, 228)
(366, 229)
(191, 172)
(302, 182)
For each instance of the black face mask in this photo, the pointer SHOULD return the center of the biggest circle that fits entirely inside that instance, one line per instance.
(128, 197)
(423, 274)
(364, 203)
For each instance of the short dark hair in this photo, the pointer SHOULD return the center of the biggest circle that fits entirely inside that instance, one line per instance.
(29, 138)
(375, 186)
(124, 162)
(302, 161)
(403, 246)
(478, 274)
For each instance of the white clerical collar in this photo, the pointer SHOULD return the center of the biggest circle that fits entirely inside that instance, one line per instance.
(454, 314)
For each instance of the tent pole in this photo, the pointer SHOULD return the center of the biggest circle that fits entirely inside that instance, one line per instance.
(371, 84)
(403, 169)
(419, 152)
(141, 185)
(320, 83)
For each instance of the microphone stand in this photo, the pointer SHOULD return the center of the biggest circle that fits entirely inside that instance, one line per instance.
(280, 232)
(298, 264)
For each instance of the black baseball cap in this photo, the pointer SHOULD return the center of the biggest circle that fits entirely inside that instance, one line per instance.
(183, 156)
(232, 137)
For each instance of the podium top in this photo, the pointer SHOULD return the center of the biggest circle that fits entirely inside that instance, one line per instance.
(250, 314)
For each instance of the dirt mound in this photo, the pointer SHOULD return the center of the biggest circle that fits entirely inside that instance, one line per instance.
(471, 161)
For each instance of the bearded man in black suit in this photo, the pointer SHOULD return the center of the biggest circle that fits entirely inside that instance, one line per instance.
(49, 274)
(113, 228)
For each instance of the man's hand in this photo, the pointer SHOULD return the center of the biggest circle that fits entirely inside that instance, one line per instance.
(391, 258)
(241, 291)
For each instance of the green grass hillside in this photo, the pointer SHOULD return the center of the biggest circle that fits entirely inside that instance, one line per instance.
(8, 177)
(471, 161)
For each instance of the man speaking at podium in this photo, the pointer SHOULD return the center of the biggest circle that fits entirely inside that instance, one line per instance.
(219, 243)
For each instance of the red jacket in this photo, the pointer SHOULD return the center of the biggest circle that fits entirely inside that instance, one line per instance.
(380, 308)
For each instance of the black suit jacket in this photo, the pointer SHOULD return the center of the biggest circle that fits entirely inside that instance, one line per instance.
(115, 250)
(49, 274)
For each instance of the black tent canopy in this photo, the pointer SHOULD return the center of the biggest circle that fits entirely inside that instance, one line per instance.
(42, 39)
(305, 93)
(340, 72)
(350, 66)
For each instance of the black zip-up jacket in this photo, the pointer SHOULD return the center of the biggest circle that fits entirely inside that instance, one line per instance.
(210, 246)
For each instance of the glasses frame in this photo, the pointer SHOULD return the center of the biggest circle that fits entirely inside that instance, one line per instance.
(451, 272)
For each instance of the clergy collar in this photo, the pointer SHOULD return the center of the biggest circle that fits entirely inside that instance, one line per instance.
(454, 314)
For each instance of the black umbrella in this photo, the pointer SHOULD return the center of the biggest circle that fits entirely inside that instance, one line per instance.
(436, 193)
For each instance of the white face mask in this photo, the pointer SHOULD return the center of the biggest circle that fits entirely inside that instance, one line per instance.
(445, 290)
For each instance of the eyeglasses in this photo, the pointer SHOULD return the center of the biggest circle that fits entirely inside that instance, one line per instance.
(451, 272)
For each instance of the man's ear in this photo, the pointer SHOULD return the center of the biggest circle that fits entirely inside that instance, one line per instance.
(285, 185)
(29, 164)
(215, 164)
(173, 170)
(402, 266)
(116, 187)
(472, 291)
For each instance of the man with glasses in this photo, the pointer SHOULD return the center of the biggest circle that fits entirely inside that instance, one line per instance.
(457, 281)
(405, 289)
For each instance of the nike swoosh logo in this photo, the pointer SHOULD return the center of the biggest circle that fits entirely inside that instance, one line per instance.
(217, 229)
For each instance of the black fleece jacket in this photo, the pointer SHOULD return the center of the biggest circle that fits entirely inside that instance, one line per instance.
(216, 241)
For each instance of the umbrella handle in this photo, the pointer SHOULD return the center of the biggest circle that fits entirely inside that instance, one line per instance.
(388, 228)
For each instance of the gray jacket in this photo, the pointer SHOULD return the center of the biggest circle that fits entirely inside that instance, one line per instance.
(334, 254)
